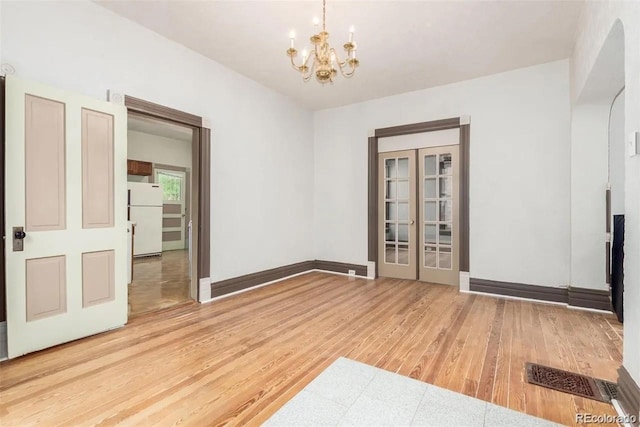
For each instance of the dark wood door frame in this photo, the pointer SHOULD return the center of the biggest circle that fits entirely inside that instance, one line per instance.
(201, 170)
(3, 303)
(431, 126)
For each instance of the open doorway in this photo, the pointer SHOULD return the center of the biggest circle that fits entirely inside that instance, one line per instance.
(160, 188)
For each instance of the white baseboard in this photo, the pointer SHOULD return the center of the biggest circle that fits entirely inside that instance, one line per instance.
(371, 270)
(249, 289)
(624, 417)
(464, 281)
(204, 288)
(339, 274)
(593, 310)
(203, 301)
(515, 298)
(539, 301)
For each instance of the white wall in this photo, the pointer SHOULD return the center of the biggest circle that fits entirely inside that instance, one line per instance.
(520, 182)
(261, 141)
(588, 195)
(158, 149)
(597, 21)
(617, 155)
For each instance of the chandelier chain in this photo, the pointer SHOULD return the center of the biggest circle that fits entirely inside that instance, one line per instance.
(324, 15)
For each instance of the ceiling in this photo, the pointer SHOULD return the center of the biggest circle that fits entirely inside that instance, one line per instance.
(402, 45)
(159, 128)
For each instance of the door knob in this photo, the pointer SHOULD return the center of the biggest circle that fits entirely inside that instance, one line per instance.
(412, 222)
(20, 235)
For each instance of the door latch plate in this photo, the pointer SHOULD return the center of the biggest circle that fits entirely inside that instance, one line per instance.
(18, 244)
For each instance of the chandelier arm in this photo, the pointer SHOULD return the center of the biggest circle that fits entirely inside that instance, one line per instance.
(307, 77)
(342, 65)
(293, 64)
(301, 68)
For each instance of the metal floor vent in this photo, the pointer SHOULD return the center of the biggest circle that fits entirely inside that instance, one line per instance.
(570, 382)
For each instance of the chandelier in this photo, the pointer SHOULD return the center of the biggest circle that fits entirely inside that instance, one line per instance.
(323, 62)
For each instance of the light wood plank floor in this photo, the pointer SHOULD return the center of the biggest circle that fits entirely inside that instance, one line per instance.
(237, 360)
(159, 282)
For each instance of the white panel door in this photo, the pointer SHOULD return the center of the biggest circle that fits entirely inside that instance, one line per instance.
(66, 187)
(174, 200)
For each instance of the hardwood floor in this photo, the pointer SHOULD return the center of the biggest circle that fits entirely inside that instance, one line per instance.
(159, 282)
(237, 360)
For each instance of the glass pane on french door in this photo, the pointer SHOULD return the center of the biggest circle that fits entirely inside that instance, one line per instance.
(437, 225)
(396, 212)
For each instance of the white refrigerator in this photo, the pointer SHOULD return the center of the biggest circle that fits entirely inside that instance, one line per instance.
(145, 210)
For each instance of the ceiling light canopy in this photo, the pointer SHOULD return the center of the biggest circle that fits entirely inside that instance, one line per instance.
(323, 61)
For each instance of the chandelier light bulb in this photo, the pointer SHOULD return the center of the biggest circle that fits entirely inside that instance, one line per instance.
(292, 37)
(316, 21)
(304, 55)
(351, 31)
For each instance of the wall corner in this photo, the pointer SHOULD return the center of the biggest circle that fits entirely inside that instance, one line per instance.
(115, 97)
(371, 270)
(204, 288)
(464, 281)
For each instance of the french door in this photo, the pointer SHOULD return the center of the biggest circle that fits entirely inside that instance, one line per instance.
(419, 214)
(439, 214)
(397, 214)
(65, 205)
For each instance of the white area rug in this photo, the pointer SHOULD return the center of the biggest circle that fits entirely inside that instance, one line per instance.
(350, 393)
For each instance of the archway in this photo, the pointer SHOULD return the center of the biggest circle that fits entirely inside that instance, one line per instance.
(592, 141)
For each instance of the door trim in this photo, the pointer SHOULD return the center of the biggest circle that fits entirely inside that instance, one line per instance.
(201, 186)
(3, 303)
(430, 126)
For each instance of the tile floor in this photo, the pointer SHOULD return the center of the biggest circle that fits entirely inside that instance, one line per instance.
(350, 393)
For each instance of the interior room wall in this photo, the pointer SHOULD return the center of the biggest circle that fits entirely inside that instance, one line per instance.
(138, 178)
(617, 154)
(158, 149)
(597, 21)
(589, 177)
(520, 181)
(261, 152)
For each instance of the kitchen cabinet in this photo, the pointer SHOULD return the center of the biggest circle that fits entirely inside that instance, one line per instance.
(138, 167)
